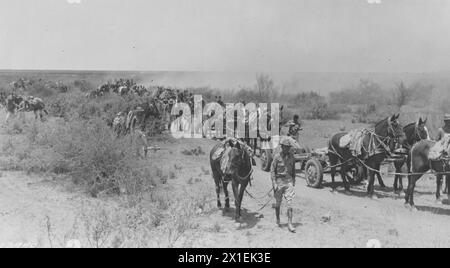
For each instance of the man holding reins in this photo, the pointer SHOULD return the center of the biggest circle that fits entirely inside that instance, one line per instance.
(282, 173)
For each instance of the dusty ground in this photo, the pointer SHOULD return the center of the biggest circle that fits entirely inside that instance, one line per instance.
(323, 219)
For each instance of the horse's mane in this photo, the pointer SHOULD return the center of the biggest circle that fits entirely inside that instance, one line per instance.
(409, 125)
(387, 118)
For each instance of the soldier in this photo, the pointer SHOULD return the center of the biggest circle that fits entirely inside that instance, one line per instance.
(135, 126)
(445, 129)
(282, 173)
(294, 127)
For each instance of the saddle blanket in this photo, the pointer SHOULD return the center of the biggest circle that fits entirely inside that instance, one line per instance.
(440, 149)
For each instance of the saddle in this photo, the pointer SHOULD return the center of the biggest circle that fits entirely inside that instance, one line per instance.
(353, 141)
(440, 149)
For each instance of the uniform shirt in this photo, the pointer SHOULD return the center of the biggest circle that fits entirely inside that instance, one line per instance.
(442, 131)
(282, 170)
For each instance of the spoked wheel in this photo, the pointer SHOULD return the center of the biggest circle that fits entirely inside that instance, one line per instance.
(356, 174)
(314, 173)
(266, 159)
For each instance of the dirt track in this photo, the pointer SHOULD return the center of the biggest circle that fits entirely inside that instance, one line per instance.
(323, 219)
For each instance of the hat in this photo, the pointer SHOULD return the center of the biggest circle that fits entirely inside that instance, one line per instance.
(447, 117)
(286, 142)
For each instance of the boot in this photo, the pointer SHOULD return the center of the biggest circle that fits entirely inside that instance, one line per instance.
(277, 213)
(290, 225)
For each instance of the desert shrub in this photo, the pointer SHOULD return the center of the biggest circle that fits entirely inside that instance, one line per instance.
(83, 85)
(87, 150)
(321, 111)
(41, 89)
(65, 105)
(365, 93)
(373, 113)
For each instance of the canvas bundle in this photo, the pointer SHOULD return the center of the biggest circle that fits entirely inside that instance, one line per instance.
(440, 149)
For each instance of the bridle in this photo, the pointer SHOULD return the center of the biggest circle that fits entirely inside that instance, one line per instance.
(417, 133)
(392, 136)
(242, 157)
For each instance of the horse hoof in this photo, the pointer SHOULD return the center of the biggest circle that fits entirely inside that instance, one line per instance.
(438, 201)
(373, 197)
(408, 206)
(414, 209)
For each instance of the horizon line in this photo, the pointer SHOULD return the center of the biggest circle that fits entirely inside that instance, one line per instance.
(212, 71)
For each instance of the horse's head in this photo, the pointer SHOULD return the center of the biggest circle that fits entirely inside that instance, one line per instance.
(416, 132)
(235, 157)
(421, 131)
(391, 130)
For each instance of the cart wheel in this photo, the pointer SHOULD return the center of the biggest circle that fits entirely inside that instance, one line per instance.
(314, 173)
(266, 159)
(356, 174)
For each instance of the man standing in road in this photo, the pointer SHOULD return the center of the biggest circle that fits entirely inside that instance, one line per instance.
(282, 173)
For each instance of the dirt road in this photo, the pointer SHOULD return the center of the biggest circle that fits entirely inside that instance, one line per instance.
(323, 218)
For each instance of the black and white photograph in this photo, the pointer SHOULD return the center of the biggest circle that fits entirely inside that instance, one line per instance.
(247, 125)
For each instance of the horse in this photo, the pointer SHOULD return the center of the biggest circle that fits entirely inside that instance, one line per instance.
(35, 105)
(12, 103)
(234, 166)
(376, 145)
(414, 132)
(420, 164)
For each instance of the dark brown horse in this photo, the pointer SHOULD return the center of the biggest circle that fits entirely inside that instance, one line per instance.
(420, 163)
(376, 145)
(234, 165)
(414, 132)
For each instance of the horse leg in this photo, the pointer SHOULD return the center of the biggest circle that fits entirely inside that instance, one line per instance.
(235, 186)
(446, 184)
(398, 178)
(409, 197)
(438, 187)
(380, 180)
(217, 181)
(241, 197)
(343, 172)
(227, 197)
(333, 162)
(370, 188)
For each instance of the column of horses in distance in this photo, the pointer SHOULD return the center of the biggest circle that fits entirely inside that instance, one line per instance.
(235, 120)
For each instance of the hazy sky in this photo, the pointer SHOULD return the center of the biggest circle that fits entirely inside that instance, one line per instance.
(227, 35)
